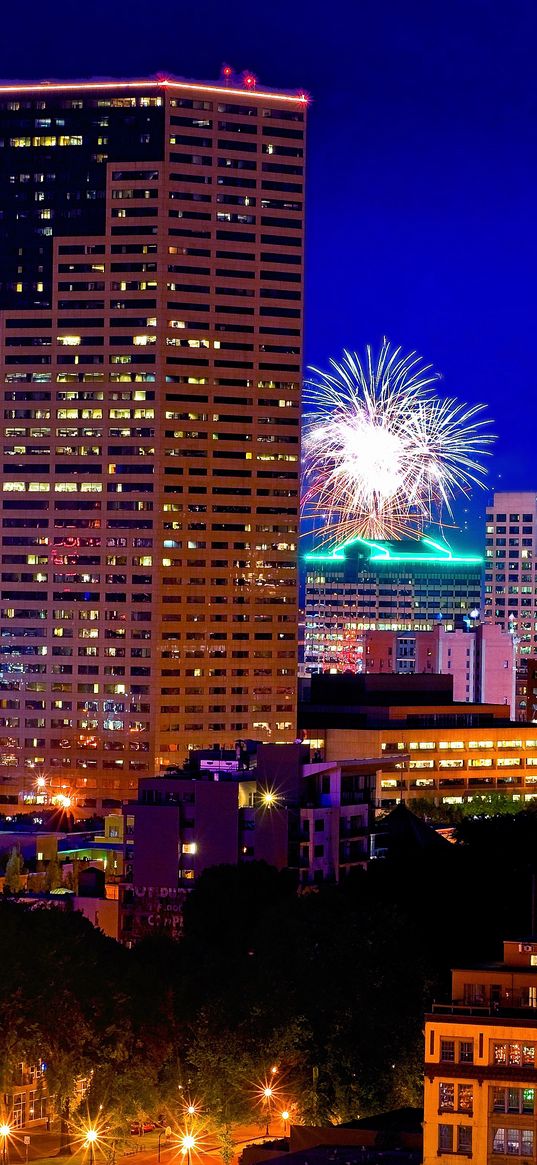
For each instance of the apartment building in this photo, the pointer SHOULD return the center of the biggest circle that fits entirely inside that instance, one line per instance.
(364, 586)
(289, 809)
(151, 255)
(480, 1056)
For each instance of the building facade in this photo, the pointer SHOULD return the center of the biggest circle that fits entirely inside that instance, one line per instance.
(433, 747)
(291, 810)
(151, 246)
(480, 1057)
(510, 590)
(480, 659)
(26, 1102)
(364, 586)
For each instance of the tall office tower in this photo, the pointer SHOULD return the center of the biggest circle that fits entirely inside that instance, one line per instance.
(510, 583)
(365, 586)
(151, 244)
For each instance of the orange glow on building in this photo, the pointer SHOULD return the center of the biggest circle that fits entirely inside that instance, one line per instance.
(150, 368)
(480, 1058)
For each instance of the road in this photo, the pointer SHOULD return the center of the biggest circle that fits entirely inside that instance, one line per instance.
(44, 1147)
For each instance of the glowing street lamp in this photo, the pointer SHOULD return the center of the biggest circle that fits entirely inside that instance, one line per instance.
(5, 1132)
(285, 1118)
(268, 1093)
(188, 1143)
(92, 1137)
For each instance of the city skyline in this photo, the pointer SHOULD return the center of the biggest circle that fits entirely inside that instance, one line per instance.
(426, 118)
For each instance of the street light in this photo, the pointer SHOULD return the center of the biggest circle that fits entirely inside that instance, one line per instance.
(167, 1132)
(285, 1118)
(91, 1138)
(188, 1143)
(268, 1093)
(5, 1132)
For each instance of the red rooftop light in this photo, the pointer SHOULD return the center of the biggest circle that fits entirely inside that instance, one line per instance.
(227, 71)
(249, 80)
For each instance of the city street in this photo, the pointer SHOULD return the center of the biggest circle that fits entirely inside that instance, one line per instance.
(44, 1146)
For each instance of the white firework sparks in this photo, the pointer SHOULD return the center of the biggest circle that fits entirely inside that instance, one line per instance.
(384, 454)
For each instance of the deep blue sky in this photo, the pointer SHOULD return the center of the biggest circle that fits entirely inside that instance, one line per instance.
(422, 165)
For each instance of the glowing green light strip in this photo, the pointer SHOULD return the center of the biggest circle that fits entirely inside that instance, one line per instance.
(381, 553)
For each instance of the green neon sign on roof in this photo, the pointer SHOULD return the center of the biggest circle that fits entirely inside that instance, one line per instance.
(386, 552)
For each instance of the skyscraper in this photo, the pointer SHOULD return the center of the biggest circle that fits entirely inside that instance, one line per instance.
(151, 253)
(510, 594)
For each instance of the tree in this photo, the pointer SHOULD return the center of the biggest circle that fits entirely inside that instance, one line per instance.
(53, 874)
(12, 882)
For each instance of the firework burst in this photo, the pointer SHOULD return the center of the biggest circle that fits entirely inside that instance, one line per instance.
(384, 454)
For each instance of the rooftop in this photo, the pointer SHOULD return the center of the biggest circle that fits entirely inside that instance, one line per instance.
(230, 83)
(424, 550)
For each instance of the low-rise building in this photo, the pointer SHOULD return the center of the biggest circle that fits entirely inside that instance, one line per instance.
(292, 809)
(433, 746)
(26, 1099)
(480, 1062)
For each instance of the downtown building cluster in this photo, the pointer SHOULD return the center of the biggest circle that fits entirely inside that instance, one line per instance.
(151, 248)
(151, 245)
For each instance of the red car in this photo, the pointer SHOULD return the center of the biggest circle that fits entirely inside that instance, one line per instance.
(140, 1127)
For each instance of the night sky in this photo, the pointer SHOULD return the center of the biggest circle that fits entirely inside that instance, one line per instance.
(422, 166)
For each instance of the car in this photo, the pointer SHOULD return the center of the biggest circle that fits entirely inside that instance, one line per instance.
(138, 1128)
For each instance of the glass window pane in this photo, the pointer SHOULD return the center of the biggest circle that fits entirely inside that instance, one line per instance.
(499, 1141)
(445, 1138)
(466, 1098)
(447, 1097)
(526, 1142)
(464, 1139)
(498, 1099)
(528, 1099)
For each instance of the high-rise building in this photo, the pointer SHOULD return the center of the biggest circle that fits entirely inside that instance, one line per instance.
(151, 255)
(510, 592)
(366, 586)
